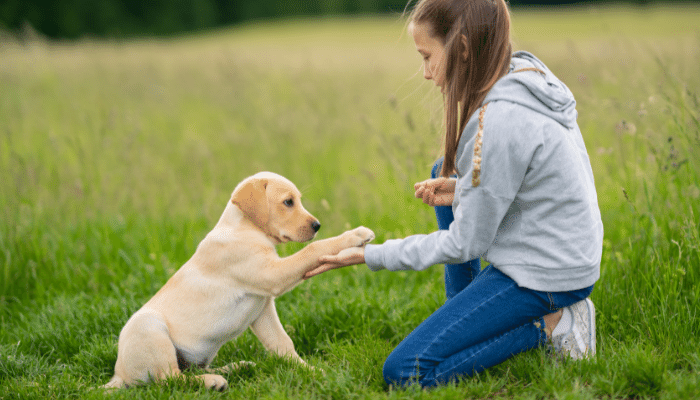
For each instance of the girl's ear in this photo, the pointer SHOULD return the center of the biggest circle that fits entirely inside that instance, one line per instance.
(465, 50)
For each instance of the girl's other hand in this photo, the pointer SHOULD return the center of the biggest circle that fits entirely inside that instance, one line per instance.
(351, 256)
(436, 192)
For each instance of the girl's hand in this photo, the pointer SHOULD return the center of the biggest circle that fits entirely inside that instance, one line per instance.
(436, 192)
(351, 256)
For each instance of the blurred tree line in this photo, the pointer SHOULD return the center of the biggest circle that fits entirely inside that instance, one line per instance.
(120, 18)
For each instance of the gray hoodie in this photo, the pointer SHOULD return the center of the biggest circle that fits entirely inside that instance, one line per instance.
(535, 214)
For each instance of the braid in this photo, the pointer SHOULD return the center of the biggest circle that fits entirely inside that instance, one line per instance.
(477, 149)
(478, 142)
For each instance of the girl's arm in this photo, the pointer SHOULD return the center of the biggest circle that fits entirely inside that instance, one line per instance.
(479, 211)
(477, 218)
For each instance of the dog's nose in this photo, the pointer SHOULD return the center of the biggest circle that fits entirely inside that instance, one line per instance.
(315, 226)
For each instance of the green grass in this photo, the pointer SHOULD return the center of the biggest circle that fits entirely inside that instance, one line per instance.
(117, 158)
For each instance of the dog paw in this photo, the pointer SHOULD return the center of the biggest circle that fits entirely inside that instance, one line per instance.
(245, 364)
(362, 236)
(215, 382)
(233, 367)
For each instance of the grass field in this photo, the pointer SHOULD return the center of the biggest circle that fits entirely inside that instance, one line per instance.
(118, 157)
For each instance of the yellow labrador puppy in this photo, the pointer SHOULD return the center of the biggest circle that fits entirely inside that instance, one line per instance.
(229, 284)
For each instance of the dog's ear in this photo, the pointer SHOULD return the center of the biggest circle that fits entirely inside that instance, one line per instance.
(251, 198)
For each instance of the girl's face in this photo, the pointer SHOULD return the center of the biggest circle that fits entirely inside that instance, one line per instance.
(433, 51)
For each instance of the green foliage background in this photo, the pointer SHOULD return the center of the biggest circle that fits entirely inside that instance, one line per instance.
(118, 157)
(72, 19)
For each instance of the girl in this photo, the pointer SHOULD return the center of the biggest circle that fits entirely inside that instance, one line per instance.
(523, 199)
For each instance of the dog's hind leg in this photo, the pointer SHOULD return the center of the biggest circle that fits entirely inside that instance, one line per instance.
(213, 381)
(115, 383)
(234, 366)
(146, 352)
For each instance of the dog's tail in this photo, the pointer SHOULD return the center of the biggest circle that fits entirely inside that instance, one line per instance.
(115, 383)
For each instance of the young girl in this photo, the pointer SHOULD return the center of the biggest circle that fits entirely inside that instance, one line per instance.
(523, 199)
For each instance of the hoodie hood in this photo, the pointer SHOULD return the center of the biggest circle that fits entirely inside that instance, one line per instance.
(545, 94)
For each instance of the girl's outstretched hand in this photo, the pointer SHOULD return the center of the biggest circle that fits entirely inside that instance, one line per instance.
(436, 192)
(351, 256)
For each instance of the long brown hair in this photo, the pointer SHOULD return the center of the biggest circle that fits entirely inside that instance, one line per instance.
(486, 26)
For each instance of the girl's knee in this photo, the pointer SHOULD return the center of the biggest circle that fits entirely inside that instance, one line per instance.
(392, 371)
(397, 372)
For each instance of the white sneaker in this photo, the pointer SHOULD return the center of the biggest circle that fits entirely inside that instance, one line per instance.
(579, 340)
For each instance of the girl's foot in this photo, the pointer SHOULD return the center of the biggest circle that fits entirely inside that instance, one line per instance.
(574, 335)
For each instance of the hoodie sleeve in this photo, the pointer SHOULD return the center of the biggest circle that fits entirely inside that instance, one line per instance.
(469, 236)
(479, 211)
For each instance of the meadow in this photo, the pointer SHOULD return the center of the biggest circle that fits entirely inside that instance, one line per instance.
(117, 157)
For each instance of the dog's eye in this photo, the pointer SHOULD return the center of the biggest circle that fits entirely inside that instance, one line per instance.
(289, 202)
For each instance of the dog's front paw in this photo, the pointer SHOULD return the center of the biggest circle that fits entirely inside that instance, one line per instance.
(361, 236)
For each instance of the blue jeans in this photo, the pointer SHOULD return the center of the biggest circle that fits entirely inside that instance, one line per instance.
(457, 276)
(486, 319)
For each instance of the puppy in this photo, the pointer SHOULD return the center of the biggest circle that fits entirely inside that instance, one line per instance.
(228, 285)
